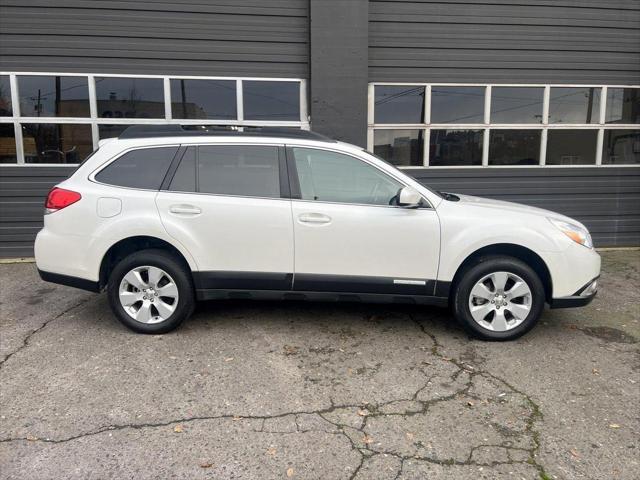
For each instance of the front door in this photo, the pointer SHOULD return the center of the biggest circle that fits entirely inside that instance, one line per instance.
(349, 237)
(228, 205)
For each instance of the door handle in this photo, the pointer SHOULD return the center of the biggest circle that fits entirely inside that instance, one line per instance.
(314, 218)
(185, 210)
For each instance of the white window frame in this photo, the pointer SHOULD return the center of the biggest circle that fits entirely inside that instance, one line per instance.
(487, 126)
(95, 121)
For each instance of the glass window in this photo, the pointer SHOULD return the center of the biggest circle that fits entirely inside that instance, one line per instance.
(621, 147)
(42, 96)
(514, 147)
(457, 104)
(271, 100)
(214, 99)
(5, 96)
(574, 105)
(335, 177)
(399, 104)
(571, 147)
(247, 170)
(455, 147)
(623, 105)
(7, 144)
(516, 104)
(400, 147)
(56, 143)
(130, 97)
(184, 180)
(142, 168)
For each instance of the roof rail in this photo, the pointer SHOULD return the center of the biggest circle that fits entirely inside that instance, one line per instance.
(175, 130)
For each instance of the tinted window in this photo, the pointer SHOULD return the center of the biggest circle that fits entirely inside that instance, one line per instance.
(271, 100)
(130, 97)
(623, 105)
(56, 143)
(574, 105)
(144, 168)
(457, 104)
(400, 147)
(7, 143)
(571, 147)
(516, 105)
(621, 147)
(455, 147)
(5, 96)
(42, 96)
(514, 147)
(215, 99)
(184, 180)
(334, 177)
(399, 104)
(245, 170)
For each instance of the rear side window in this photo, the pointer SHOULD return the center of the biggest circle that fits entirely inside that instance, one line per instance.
(143, 168)
(244, 170)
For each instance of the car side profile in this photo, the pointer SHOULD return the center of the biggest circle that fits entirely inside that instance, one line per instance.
(162, 217)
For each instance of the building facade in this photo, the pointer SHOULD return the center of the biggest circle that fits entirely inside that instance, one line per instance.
(532, 101)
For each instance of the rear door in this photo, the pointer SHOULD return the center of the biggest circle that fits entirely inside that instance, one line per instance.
(229, 206)
(349, 237)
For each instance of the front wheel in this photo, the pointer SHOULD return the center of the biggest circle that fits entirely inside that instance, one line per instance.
(499, 298)
(151, 292)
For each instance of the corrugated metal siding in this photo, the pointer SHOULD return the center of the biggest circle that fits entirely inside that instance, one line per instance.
(518, 41)
(217, 37)
(606, 200)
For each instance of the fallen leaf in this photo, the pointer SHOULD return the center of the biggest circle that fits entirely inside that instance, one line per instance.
(290, 350)
(574, 452)
(31, 438)
(206, 465)
(367, 439)
(595, 371)
(228, 359)
(470, 403)
(363, 412)
(271, 451)
(614, 425)
(177, 429)
(236, 418)
(290, 472)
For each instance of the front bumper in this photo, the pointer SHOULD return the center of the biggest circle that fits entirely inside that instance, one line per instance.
(582, 297)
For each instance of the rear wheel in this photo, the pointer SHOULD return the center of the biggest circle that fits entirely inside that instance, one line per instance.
(499, 298)
(151, 292)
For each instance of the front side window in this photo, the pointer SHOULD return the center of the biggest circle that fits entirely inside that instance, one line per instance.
(143, 168)
(334, 177)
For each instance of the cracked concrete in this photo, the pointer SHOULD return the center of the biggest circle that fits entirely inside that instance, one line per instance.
(275, 390)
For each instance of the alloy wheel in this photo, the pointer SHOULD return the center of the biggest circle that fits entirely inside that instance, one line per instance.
(148, 294)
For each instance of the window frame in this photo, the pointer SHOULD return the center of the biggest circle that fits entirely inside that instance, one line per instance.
(486, 126)
(95, 121)
(294, 182)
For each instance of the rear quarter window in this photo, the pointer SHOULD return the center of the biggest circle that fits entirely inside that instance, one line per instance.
(144, 168)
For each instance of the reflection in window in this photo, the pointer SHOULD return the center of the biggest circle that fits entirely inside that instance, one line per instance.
(213, 99)
(400, 147)
(5, 96)
(516, 104)
(457, 104)
(621, 147)
(111, 131)
(574, 105)
(455, 147)
(271, 100)
(130, 97)
(43, 96)
(56, 143)
(571, 147)
(514, 147)
(7, 144)
(399, 104)
(623, 105)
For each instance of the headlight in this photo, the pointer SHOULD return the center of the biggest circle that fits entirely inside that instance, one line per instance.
(575, 232)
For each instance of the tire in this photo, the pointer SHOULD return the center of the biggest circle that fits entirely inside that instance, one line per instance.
(136, 287)
(508, 315)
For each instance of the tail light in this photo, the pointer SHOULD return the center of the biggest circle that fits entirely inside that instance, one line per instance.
(60, 198)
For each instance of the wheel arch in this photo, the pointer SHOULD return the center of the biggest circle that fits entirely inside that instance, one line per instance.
(524, 254)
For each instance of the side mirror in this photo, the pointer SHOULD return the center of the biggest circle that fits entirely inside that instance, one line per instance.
(409, 198)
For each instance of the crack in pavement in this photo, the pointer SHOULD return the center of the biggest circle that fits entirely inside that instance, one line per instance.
(27, 338)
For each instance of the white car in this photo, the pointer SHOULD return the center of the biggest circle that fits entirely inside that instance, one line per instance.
(161, 217)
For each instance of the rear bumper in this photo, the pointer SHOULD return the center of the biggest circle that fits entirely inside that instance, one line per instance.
(70, 281)
(582, 297)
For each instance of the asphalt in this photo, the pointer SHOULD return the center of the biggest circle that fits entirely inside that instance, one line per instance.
(323, 391)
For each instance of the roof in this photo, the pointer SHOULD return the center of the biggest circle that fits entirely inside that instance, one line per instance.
(174, 130)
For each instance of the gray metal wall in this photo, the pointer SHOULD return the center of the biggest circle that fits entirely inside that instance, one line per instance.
(213, 37)
(505, 41)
